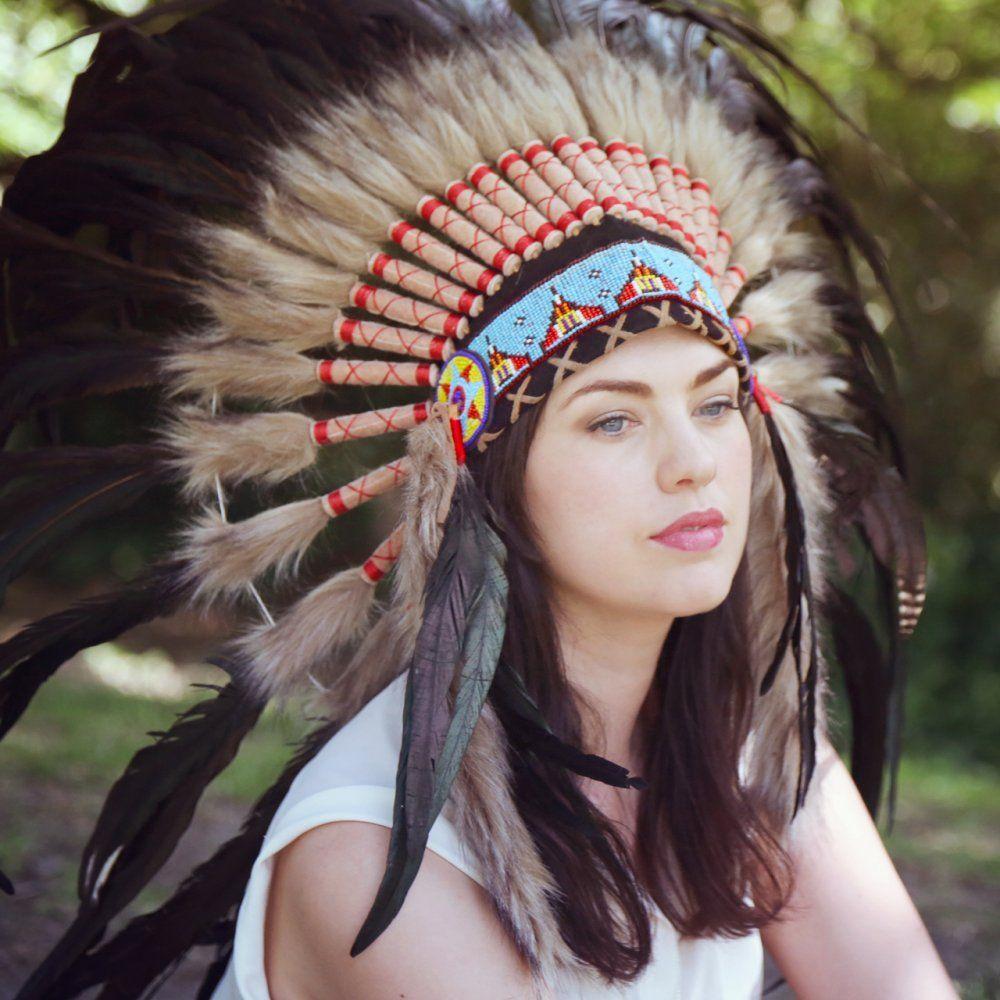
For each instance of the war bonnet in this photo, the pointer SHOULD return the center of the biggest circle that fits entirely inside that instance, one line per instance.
(322, 222)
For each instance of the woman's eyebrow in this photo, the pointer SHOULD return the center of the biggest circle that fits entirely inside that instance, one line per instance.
(612, 385)
(642, 389)
(709, 373)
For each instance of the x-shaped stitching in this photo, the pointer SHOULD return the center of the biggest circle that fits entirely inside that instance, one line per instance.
(520, 397)
(565, 366)
(616, 333)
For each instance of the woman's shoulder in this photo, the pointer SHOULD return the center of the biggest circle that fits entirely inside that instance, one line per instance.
(341, 801)
(353, 777)
(322, 888)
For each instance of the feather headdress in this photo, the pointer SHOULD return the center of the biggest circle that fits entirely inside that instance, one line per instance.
(302, 224)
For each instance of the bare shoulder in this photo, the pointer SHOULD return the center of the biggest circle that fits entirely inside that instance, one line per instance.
(446, 941)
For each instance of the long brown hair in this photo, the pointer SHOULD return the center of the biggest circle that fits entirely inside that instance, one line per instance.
(703, 843)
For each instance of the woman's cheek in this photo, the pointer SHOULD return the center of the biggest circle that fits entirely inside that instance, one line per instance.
(602, 520)
(578, 514)
(739, 482)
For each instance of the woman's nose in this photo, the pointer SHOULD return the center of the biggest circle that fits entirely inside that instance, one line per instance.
(685, 458)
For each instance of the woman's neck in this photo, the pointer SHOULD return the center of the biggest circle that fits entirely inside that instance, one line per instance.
(611, 662)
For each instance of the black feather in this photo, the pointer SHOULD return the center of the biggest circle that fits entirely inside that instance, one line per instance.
(144, 816)
(67, 460)
(199, 910)
(461, 630)
(51, 511)
(799, 589)
(527, 729)
(32, 655)
(46, 374)
(868, 685)
(872, 499)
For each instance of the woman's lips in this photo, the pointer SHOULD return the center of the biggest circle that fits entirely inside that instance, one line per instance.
(693, 532)
(692, 539)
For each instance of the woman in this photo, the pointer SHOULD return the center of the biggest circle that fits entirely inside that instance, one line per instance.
(612, 456)
(608, 728)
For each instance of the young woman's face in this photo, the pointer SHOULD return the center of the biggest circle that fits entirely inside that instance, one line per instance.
(626, 446)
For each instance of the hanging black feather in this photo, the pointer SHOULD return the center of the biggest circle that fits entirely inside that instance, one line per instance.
(897, 670)
(794, 548)
(872, 500)
(527, 729)
(481, 647)
(799, 590)
(811, 680)
(868, 685)
(465, 600)
(197, 913)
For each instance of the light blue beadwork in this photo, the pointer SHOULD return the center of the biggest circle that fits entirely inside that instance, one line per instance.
(590, 291)
(586, 293)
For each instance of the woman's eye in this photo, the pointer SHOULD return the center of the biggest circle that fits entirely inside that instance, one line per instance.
(717, 408)
(615, 421)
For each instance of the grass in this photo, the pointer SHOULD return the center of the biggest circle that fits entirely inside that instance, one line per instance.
(947, 817)
(85, 734)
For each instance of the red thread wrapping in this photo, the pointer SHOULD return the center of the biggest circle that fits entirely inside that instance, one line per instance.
(760, 394)
(456, 433)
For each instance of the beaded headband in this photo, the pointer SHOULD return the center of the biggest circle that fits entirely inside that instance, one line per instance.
(497, 370)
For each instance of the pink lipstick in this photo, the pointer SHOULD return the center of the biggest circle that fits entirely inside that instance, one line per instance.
(694, 532)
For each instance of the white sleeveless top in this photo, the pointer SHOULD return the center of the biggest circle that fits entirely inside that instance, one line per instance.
(353, 777)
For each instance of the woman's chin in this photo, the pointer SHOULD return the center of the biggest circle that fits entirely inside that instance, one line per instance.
(697, 594)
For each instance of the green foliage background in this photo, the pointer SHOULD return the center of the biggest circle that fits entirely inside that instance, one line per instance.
(920, 77)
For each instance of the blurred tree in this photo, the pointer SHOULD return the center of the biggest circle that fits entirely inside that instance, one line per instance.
(921, 77)
(33, 90)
